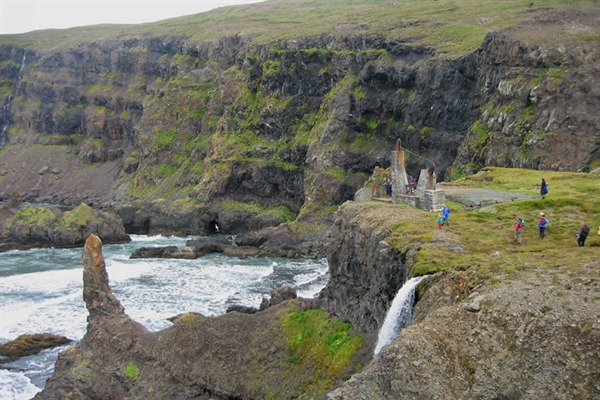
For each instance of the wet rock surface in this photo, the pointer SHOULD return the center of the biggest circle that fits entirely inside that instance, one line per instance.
(528, 339)
(25, 345)
(236, 355)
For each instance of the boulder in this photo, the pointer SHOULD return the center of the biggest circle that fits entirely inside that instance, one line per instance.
(25, 345)
(279, 295)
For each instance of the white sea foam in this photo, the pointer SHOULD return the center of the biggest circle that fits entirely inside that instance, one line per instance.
(16, 386)
(42, 291)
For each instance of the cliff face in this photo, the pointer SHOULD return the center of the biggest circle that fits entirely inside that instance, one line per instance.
(537, 110)
(523, 338)
(365, 274)
(532, 334)
(294, 123)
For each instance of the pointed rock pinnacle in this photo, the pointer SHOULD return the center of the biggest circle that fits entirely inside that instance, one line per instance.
(97, 293)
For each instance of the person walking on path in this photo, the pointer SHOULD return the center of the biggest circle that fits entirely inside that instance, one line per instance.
(583, 234)
(519, 227)
(446, 214)
(543, 224)
(544, 188)
(388, 187)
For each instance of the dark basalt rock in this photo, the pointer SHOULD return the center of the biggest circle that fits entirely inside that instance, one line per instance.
(234, 356)
(25, 345)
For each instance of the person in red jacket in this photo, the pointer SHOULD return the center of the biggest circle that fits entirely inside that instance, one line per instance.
(519, 227)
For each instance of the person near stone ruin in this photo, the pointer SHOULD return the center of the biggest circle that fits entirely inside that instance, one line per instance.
(440, 221)
(544, 188)
(446, 213)
(583, 234)
(412, 184)
(388, 187)
(543, 224)
(213, 225)
(519, 228)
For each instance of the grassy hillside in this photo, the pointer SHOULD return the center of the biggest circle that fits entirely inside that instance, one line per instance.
(482, 240)
(454, 27)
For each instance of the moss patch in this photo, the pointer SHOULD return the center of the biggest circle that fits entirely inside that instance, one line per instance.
(80, 216)
(320, 344)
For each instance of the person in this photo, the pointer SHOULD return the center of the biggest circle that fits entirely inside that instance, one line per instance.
(213, 225)
(519, 227)
(446, 213)
(388, 187)
(543, 224)
(412, 184)
(583, 234)
(544, 188)
(440, 221)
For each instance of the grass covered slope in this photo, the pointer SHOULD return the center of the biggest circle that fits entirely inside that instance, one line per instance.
(482, 240)
(454, 27)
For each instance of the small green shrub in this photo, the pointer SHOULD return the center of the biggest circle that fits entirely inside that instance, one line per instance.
(132, 371)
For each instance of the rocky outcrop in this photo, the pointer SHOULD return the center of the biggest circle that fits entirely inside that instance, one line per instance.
(365, 274)
(537, 99)
(236, 355)
(29, 226)
(527, 340)
(25, 345)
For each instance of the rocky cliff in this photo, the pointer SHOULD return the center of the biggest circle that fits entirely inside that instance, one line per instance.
(268, 354)
(171, 128)
(521, 338)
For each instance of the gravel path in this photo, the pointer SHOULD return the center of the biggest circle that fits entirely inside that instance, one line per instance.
(477, 197)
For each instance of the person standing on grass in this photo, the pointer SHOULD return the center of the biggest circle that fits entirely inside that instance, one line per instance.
(543, 224)
(519, 227)
(446, 213)
(388, 187)
(583, 234)
(544, 188)
(440, 221)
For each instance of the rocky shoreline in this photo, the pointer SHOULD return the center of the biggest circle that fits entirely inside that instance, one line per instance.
(25, 226)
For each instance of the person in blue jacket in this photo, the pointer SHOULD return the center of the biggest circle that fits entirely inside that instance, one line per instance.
(446, 214)
(543, 224)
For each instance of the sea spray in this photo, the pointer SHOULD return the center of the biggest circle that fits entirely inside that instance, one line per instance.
(400, 313)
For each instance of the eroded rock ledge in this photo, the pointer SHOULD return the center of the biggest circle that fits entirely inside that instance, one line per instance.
(233, 356)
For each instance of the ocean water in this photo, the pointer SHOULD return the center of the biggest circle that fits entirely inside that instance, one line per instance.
(41, 290)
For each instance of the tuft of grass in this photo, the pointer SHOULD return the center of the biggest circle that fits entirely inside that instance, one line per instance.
(325, 344)
(80, 216)
(32, 215)
(132, 371)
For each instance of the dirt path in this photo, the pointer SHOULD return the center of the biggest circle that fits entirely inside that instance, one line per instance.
(477, 197)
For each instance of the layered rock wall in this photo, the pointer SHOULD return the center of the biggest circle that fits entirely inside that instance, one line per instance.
(295, 123)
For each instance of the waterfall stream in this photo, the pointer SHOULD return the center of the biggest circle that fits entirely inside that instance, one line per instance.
(6, 106)
(400, 313)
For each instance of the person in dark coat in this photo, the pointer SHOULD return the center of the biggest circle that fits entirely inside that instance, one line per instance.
(544, 188)
(583, 234)
(388, 187)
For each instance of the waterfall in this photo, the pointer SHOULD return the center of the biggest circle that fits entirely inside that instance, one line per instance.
(400, 313)
(6, 106)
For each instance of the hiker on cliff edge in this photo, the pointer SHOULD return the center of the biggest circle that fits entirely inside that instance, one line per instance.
(446, 214)
(583, 234)
(543, 224)
(388, 187)
(519, 227)
(544, 188)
